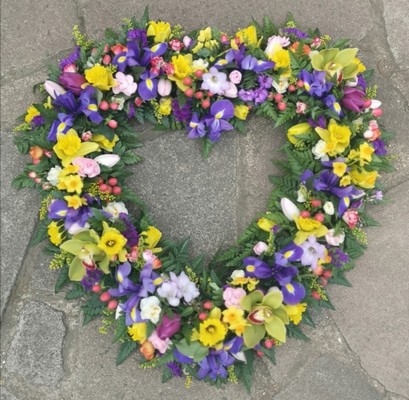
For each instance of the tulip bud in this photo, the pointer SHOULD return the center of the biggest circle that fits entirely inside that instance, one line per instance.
(164, 87)
(109, 160)
(290, 210)
(53, 89)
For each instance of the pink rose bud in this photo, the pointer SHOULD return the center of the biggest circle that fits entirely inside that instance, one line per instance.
(168, 68)
(224, 38)
(176, 45)
(233, 296)
(32, 175)
(260, 248)
(106, 60)
(377, 112)
(235, 76)
(164, 87)
(88, 167)
(334, 240)
(301, 107)
(86, 136)
(351, 217)
(231, 91)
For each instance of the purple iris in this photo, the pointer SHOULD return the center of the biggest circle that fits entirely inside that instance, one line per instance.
(214, 365)
(251, 63)
(130, 57)
(293, 292)
(354, 99)
(147, 278)
(196, 128)
(68, 101)
(236, 56)
(220, 112)
(88, 105)
(315, 84)
(332, 103)
(148, 87)
(175, 368)
(58, 209)
(181, 357)
(256, 268)
(321, 122)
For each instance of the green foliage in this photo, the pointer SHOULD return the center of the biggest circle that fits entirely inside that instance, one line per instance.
(76, 292)
(244, 371)
(40, 233)
(293, 331)
(92, 308)
(120, 328)
(62, 279)
(126, 349)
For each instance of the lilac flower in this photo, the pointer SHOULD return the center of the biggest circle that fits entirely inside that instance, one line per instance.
(74, 56)
(256, 268)
(130, 232)
(379, 146)
(296, 32)
(338, 257)
(214, 365)
(37, 121)
(315, 84)
(260, 95)
(265, 81)
(147, 88)
(246, 95)
(183, 113)
(312, 252)
(215, 81)
(175, 368)
(220, 112)
(138, 35)
(88, 105)
(149, 280)
(178, 287)
(91, 278)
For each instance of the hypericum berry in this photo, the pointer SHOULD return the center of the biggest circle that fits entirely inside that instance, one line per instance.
(199, 95)
(112, 305)
(327, 274)
(189, 92)
(305, 214)
(109, 189)
(207, 305)
(37, 180)
(106, 60)
(367, 103)
(300, 83)
(209, 94)
(156, 263)
(103, 187)
(187, 81)
(320, 217)
(318, 270)
(96, 288)
(377, 112)
(278, 97)
(100, 180)
(114, 105)
(199, 73)
(292, 88)
(259, 353)
(205, 103)
(316, 203)
(282, 106)
(112, 181)
(315, 295)
(269, 343)
(113, 124)
(202, 316)
(32, 175)
(105, 297)
(104, 105)
(116, 190)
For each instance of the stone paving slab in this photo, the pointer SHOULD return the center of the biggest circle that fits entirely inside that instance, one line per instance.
(373, 315)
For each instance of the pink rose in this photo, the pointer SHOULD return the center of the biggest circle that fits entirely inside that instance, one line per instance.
(301, 107)
(158, 343)
(235, 76)
(233, 296)
(176, 45)
(86, 136)
(88, 167)
(334, 240)
(351, 217)
(260, 248)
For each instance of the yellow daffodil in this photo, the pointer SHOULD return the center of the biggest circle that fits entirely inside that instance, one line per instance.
(247, 36)
(138, 332)
(281, 59)
(212, 330)
(295, 312)
(363, 155)
(183, 68)
(100, 77)
(103, 142)
(308, 227)
(363, 178)
(112, 241)
(336, 137)
(339, 168)
(31, 113)
(241, 111)
(69, 146)
(160, 30)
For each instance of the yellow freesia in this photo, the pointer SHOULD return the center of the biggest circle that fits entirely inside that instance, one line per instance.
(160, 30)
(295, 312)
(339, 168)
(165, 105)
(100, 77)
(137, 332)
(54, 233)
(241, 111)
(247, 36)
(265, 224)
(308, 227)
(31, 113)
(281, 59)
(151, 238)
(183, 68)
(75, 201)
(103, 142)
(299, 129)
(336, 137)
(205, 34)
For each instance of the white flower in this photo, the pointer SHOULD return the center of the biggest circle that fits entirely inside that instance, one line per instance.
(124, 84)
(319, 151)
(301, 196)
(237, 273)
(119, 100)
(187, 287)
(77, 228)
(115, 208)
(53, 175)
(169, 291)
(53, 89)
(200, 64)
(334, 240)
(281, 86)
(260, 248)
(151, 309)
(290, 210)
(329, 208)
(109, 160)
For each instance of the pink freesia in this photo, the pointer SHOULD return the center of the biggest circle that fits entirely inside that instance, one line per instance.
(88, 167)
(124, 84)
(158, 343)
(232, 296)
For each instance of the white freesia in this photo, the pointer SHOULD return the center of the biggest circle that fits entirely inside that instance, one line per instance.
(200, 64)
(53, 175)
(334, 240)
(290, 210)
(53, 89)
(375, 104)
(301, 196)
(237, 273)
(319, 151)
(109, 160)
(329, 208)
(115, 208)
(281, 86)
(77, 228)
(151, 309)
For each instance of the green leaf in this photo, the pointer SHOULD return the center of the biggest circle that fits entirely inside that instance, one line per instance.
(62, 279)
(294, 331)
(120, 328)
(125, 351)
(40, 233)
(166, 375)
(76, 292)
(207, 146)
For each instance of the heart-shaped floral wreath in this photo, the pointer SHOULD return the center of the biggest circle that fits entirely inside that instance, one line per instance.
(204, 322)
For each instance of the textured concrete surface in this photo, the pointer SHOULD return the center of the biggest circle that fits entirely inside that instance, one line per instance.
(358, 352)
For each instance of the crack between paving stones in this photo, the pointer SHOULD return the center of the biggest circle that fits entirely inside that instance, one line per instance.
(397, 185)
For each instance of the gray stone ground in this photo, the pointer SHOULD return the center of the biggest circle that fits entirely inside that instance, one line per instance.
(358, 352)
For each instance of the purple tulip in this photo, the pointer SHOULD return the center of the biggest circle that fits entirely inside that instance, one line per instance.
(169, 326)
(354, 99)
(72, 81)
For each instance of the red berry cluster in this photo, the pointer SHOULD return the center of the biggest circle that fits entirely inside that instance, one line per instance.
(111, 186)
